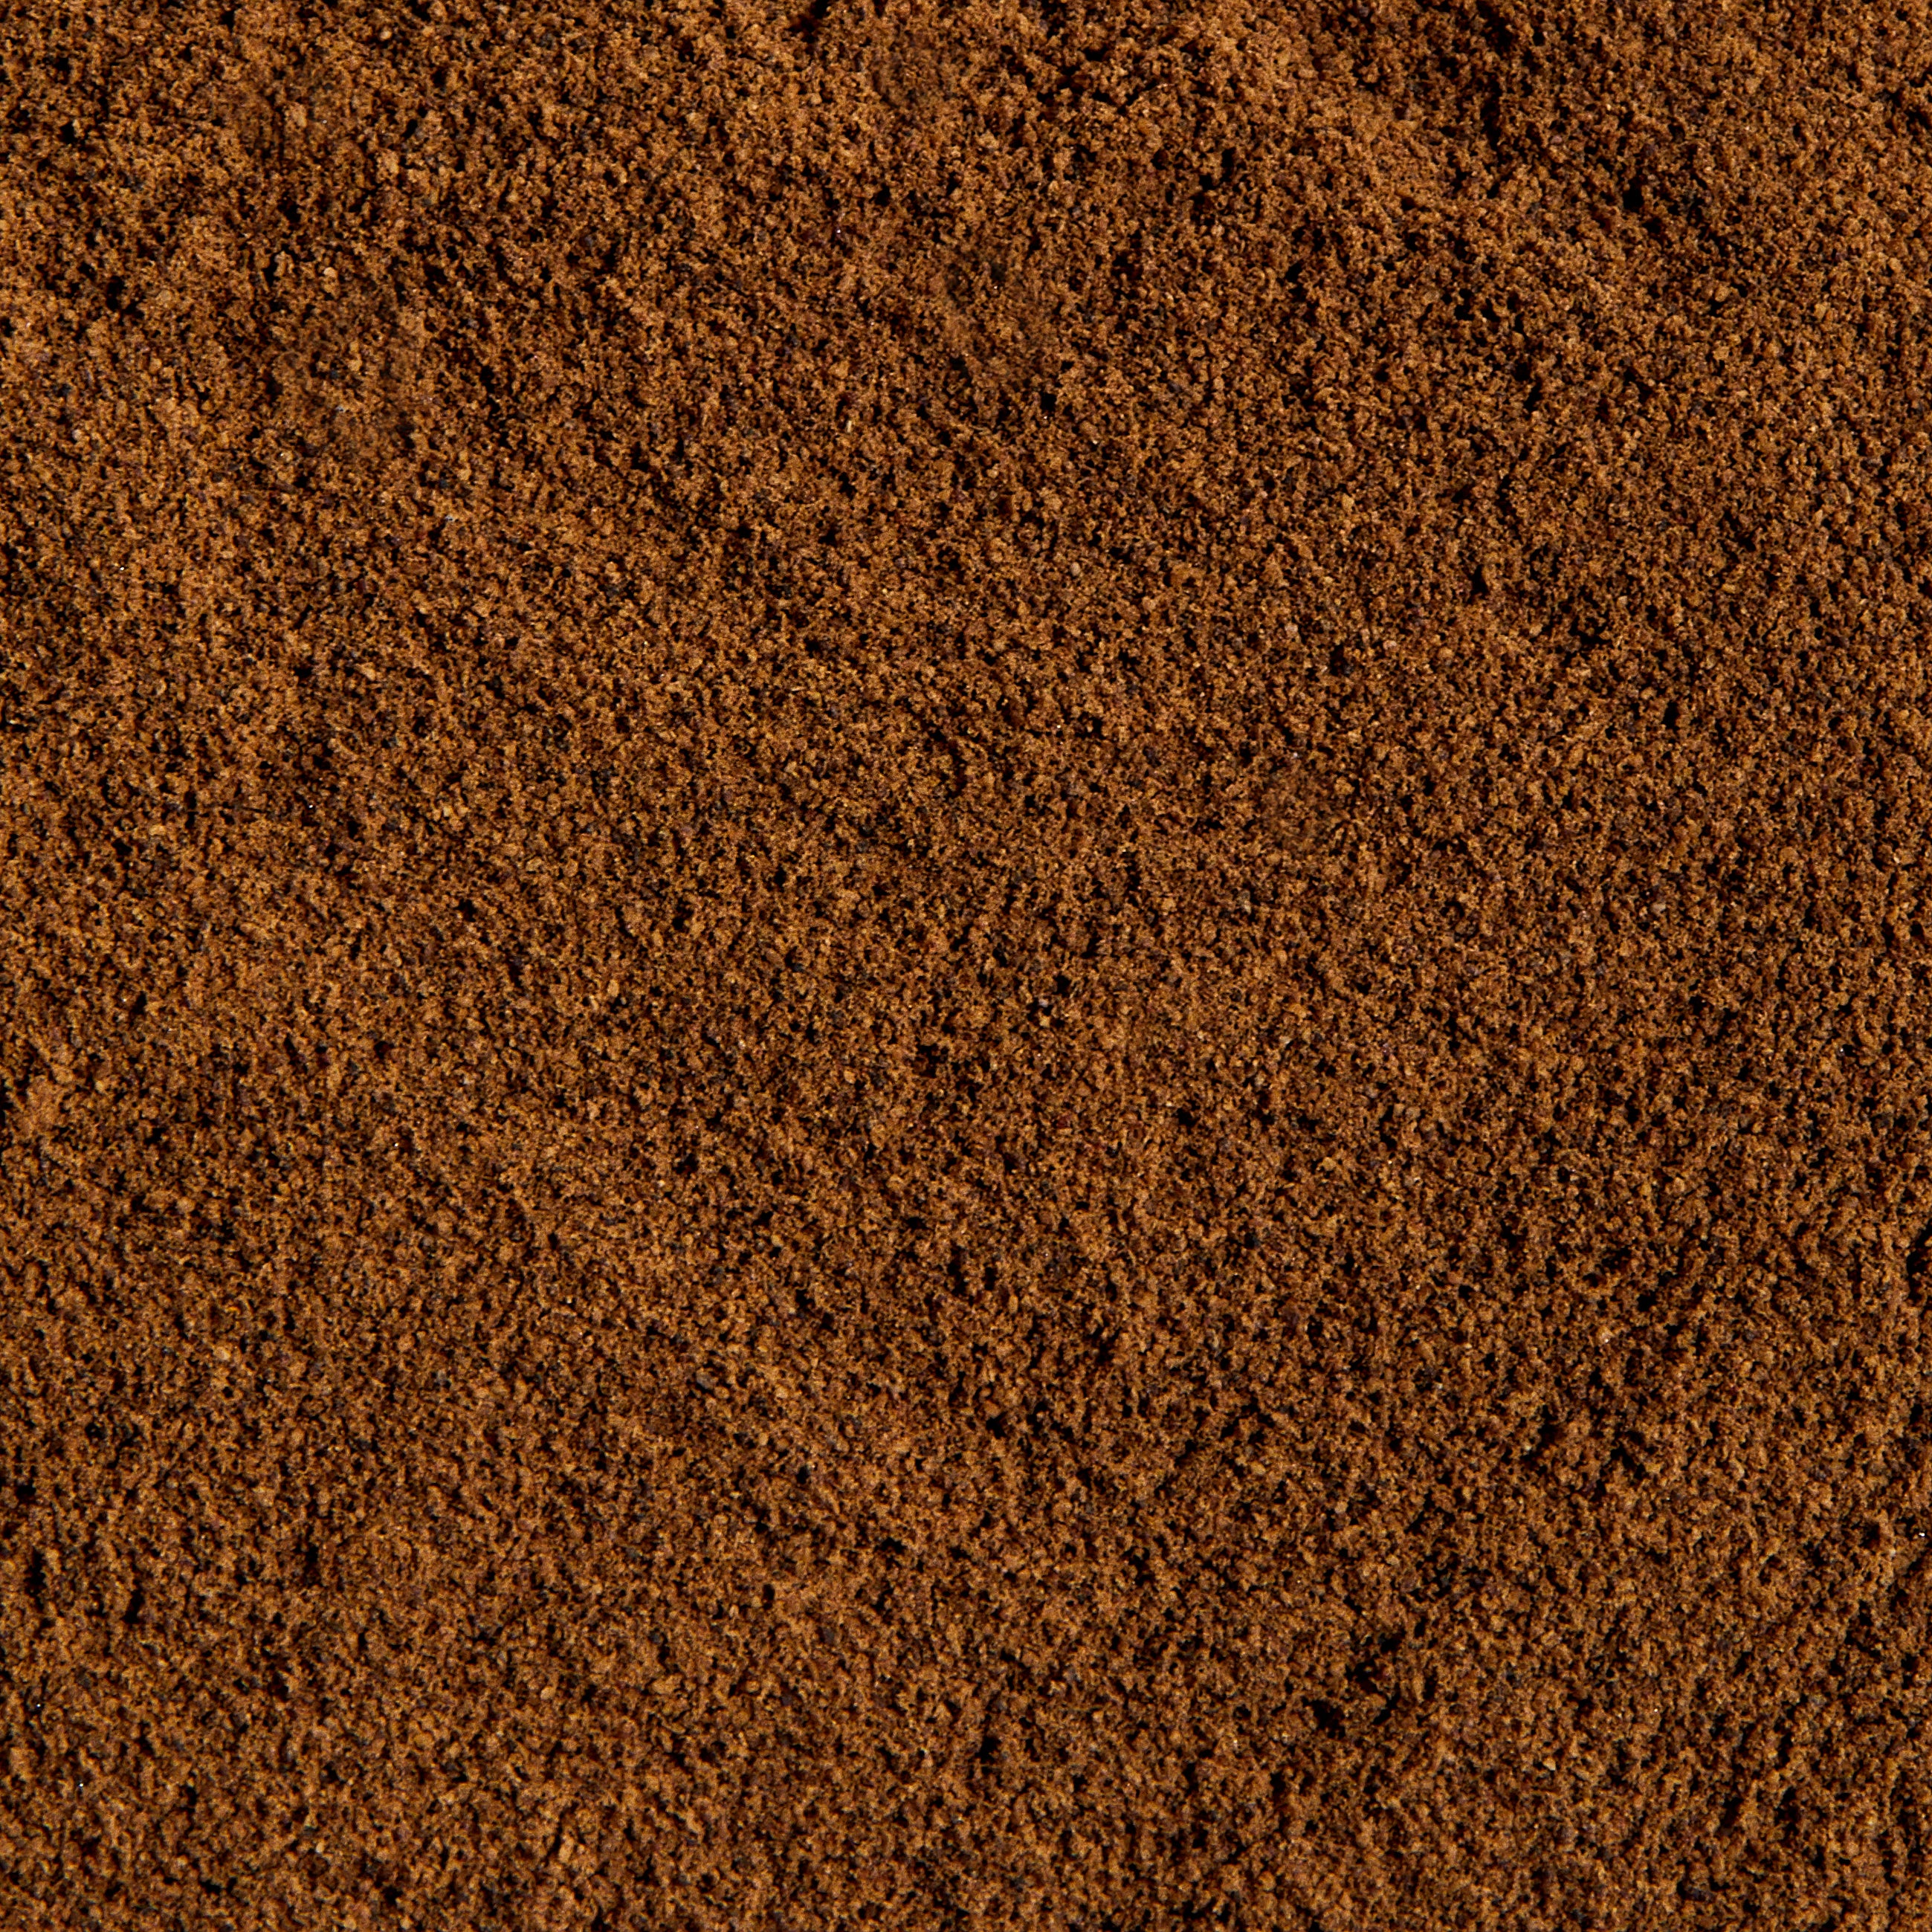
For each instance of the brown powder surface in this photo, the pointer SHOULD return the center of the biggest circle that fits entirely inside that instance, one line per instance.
(963, 966)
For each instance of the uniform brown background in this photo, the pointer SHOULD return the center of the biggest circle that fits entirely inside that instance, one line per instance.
(964, 966)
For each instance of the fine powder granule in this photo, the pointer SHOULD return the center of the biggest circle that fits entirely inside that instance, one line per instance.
(963, 966)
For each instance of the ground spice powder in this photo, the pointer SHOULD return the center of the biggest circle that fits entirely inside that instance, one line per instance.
(963, 965)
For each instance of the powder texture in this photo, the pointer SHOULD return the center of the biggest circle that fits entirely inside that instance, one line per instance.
(964, 966)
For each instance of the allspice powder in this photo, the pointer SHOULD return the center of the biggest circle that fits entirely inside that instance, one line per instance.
(963, 966)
